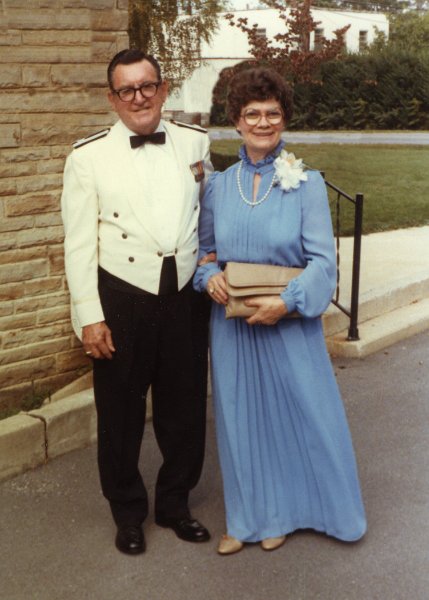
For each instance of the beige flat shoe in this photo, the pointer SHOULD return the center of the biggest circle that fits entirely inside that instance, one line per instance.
(273, 543)
(229, 545)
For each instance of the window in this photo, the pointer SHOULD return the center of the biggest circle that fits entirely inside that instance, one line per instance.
(363, 40)
(261, 32)
(318, 38)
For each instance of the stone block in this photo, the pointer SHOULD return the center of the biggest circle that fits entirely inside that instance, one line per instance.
(51, 383)
(41, 302)
(10, 76)
(23, 18)
(6, 309)
(49, 347)
(51, 315)
(40, 236)
(8, 186)
(7, 241)
(18, 169)
(47, 54)
(28, 270)
(22, 445)
(71, 423)
(17, 256)
(80, 384)
(10, 38)
(10, 135)
(11, 397)
(43, 286)
(22, 337)
(24, 154)
(16, 224)
(114, 20)
(61, 128)
(49, 219)
(103, 50)
(90, 100)
(56, 260)
(36, 75)
(54, 165)
(71, 360)
(95, 4)
(60, 151)
(46, 37)
(67, 75)
(39, 183)
(26, 370)
(17, 321)
(31, 204)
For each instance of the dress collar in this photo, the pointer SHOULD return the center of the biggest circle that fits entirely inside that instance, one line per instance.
(268, 160)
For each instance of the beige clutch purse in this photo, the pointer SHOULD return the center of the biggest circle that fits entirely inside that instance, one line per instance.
(244, 280)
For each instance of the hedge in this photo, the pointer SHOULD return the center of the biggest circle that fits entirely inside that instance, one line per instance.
(385, 90)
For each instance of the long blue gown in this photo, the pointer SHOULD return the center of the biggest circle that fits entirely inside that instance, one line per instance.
(285, 450)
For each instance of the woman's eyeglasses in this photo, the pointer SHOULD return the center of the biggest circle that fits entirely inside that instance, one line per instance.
(147, 90)
(252, 117)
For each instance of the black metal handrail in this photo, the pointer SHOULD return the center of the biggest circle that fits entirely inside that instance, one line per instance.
(353, 333)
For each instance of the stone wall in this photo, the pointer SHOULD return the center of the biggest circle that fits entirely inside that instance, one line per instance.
(53, 57)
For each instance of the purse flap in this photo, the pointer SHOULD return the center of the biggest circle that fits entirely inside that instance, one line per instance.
(251, 275)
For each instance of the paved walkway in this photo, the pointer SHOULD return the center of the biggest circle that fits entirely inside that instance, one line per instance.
(56, 535)
(337, 137)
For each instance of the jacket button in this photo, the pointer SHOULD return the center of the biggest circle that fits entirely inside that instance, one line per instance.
(195, 230)
(159, 253)
(124, 236)
(194, 251)
(131, 259)
(196, 207)
(116, 215)
(175, 251)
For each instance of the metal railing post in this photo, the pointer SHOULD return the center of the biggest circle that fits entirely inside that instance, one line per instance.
(354, 305)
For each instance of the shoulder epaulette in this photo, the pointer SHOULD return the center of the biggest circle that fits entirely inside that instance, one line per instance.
(187, 126)
(91, 138)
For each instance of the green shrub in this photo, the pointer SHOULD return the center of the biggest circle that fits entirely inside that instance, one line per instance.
(388, 89)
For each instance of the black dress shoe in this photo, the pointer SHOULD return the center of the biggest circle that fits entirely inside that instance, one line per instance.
(187, 529)
(130, 540)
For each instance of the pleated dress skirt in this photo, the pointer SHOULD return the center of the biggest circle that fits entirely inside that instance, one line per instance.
(284, 444)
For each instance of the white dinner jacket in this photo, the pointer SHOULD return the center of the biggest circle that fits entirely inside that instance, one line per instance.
(106, 222)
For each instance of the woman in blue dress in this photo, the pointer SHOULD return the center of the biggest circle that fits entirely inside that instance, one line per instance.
(285, 450)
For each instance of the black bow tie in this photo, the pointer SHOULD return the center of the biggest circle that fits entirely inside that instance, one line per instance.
(155, 138)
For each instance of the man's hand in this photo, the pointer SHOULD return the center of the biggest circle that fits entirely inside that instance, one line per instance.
(269, 310)
(97, 340)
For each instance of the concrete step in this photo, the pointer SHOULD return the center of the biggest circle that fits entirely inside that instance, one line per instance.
(382, 331)
(378, 301)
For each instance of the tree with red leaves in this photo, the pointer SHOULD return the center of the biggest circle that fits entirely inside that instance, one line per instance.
(289, 52)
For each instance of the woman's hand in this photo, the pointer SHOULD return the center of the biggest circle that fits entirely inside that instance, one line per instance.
(216, 288)
(270, 309)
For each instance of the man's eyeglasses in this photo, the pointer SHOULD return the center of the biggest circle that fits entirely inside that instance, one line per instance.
(252, 117)
(147, 90)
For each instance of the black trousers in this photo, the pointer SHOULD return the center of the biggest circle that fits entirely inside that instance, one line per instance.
(161, 341)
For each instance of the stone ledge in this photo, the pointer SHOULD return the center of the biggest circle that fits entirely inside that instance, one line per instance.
(22, 445)
(70, 423)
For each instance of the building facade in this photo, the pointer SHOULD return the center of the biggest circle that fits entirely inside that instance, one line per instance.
(229, 46)
(53, 57)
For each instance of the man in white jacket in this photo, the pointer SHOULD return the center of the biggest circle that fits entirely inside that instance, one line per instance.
(130, 208)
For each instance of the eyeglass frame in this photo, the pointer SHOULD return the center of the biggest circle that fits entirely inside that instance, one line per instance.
(261, 114)
(140, 89)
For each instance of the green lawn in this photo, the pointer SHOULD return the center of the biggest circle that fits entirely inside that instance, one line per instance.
(393, 178)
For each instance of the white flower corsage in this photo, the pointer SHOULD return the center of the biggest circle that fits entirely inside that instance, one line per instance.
(289, 171)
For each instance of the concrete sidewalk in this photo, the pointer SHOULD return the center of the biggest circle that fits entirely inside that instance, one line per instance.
(56, 539)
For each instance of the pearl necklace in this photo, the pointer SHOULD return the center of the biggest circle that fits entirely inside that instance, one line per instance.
(240, 189)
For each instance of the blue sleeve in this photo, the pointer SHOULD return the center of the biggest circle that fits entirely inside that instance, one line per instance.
(206, 234)
(311, 292)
